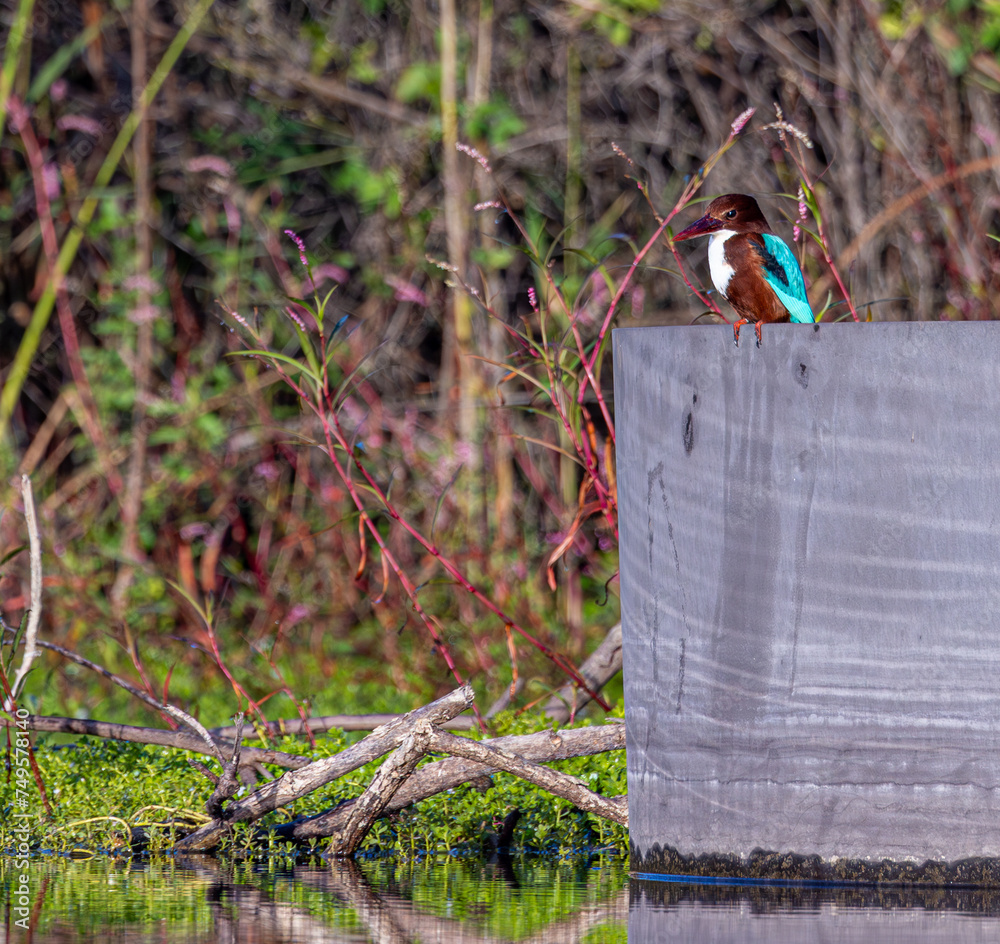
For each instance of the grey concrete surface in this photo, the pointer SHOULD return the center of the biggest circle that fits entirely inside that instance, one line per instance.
(810, 578)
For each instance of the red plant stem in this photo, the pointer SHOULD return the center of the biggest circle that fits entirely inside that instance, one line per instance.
(604, 496)
(694, 185)
(323, 396)
(240, 691)
(448, 565)
(702, 297)
(50, 244)
(588, 366)
(800, 166)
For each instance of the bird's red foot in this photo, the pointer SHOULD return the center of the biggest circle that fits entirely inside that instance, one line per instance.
(736, 329)
(757, 328)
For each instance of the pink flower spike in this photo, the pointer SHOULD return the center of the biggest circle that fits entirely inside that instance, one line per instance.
(79, 123)
(404, 291)
(294, 315)
(475, 155)
(295, 238)
(622, 154)
(796, 232)
(741, 120)
(210, 162)
(51, 180)
(331, 271)
(532, 299)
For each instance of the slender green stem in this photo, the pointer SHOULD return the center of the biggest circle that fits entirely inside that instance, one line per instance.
(11, 54)
(43, 309)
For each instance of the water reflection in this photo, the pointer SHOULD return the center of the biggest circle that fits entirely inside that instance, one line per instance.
(661, 911)
(196, 899)
(462, 901)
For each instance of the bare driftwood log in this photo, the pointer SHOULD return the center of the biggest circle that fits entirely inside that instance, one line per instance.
(557, 783)
(322, 723)
(297, 783)
(603, 665)
(390, 777)
(426, 737)
(454, 771)
(157, 736)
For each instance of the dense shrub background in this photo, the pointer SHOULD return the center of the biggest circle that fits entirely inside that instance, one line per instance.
(184, 475)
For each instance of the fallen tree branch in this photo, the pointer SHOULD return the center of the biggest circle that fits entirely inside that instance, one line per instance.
(555, 782)
(390, 777)
(604, 664)
(451, 772)
(322, 723)
(426, 737)
(227, 785)
(182, 716)
(298, 783)
(156, 736)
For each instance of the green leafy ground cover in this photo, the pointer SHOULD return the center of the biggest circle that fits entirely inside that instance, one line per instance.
(101, 790)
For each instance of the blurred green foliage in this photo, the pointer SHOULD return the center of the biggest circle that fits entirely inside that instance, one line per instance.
(960, 29)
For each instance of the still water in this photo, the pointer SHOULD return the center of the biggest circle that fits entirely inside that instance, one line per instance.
(460, 901)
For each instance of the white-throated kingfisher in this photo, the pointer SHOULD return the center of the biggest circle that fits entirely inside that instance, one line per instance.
(753, 269)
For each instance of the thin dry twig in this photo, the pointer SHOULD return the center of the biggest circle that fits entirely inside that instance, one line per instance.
(35, 615)
(51, 724)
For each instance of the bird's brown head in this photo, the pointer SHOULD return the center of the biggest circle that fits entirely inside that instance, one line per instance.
(733, 211)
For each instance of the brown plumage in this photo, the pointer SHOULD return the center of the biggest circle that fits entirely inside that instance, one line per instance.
(751, 267)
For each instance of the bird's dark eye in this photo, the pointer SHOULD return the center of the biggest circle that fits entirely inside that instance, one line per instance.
(730, 214)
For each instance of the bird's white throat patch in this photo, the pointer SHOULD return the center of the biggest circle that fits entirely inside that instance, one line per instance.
(721, 270)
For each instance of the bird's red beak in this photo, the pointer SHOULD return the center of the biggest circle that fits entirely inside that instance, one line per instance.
(702, 227)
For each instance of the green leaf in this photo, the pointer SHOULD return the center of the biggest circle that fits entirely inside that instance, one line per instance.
(283, 358)
(12, 553)
(59, 61)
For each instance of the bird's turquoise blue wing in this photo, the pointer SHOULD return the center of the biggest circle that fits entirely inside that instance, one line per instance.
(782, 272)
